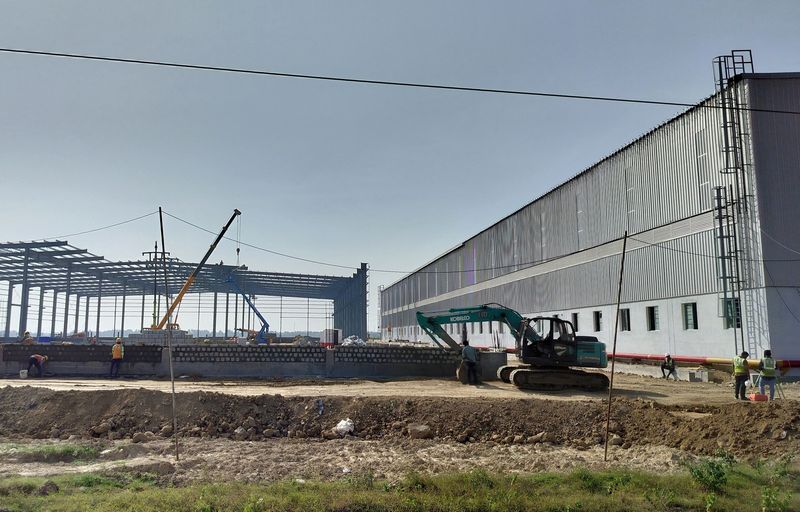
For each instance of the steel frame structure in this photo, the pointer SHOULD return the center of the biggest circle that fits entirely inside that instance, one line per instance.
(65, 269)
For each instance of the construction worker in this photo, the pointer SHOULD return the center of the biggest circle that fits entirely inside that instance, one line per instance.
(741, 374)
(27, 339)
(38, 361)
(668, 364)
(117, 354)
(767, 368)
(470, 357)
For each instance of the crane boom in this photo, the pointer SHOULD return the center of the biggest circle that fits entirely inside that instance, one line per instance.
(193, 275)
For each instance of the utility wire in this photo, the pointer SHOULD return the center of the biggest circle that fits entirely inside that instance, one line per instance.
(100, 228)
(418, 85)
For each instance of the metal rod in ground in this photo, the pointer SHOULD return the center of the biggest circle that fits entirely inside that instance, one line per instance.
(614, 347)
(169, 338)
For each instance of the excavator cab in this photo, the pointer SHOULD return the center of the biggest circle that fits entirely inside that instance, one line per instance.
(554, 343)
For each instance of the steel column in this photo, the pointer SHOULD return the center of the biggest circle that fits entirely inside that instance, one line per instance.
(8, 309)
(77, 312)
(227, 303)
(141, 327)
(41, 309)
(235, 313)
(214, 321)
(99, 306)
(23, 306)
(86, 318)
(66, 302)
(53, 314)
(124, 295)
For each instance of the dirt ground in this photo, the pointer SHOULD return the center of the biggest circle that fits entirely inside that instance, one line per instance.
(263, 430)
(625, 385)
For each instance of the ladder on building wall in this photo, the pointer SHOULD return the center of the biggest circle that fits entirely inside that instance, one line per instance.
(736, 220)
(728, 263)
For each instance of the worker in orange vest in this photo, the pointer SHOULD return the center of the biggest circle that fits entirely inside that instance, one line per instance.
(117, 354)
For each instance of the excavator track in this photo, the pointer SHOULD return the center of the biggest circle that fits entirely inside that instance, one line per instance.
(553, 379)
(504, 372)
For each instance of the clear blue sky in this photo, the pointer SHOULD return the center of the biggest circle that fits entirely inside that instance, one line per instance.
(338, 172)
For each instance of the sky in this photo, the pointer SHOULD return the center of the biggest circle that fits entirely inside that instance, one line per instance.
(337, 172)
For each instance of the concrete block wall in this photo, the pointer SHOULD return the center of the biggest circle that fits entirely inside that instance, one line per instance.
(215, 361)
(248, 354)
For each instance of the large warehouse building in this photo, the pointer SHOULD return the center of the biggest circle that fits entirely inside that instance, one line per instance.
(711, 203)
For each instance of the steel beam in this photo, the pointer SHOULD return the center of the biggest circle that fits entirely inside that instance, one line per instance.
(53, 314)
(122, 325)
(214, 321)
(99, 306)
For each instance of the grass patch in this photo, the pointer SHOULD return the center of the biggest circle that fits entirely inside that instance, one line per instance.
(772, 486)
(60, 452)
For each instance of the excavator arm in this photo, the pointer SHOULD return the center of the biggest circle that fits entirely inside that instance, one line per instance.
(433, 324)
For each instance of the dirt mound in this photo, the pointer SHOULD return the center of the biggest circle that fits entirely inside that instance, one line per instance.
(745, 429)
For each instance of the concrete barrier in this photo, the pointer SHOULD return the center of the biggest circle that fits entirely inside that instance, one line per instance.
(254, 361)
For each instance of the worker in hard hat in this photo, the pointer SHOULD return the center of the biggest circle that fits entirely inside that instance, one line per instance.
(767, 368)
(117, 355)
(38, 361)
(741, 374)
(668, 367)
(27, 339)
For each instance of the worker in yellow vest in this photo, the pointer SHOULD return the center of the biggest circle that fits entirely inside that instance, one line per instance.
(741, 373)
(767, 368)
(117, 355)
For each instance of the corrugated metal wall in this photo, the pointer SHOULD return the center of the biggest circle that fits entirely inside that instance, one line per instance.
(665, 176)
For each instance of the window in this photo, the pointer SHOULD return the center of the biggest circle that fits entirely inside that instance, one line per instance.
(652, 318)
(689, 310)
(732, 313)
(598, 321)
(575, 321)
(625, 319)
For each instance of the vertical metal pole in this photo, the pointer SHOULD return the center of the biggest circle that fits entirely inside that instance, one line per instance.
(144, 299)
(199, 305)
(8, 309)
(41, 310)
(115, 315)
(227, 312)
(99, 307)
(23, 307)
(235, 314)
(86, 318)
(77, 312)
(169, 338)
(124, 296)
(280, 324)
(614, 349)
(214, 320)
(66, 301)
(53, 314)
(308, 316)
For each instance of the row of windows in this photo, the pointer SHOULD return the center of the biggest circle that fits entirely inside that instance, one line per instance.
(731, 316)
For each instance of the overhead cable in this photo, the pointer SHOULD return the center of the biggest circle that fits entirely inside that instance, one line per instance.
(100, 228)
(418, 85)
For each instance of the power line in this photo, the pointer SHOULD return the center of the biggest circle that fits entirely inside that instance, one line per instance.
(417, 85)
(100, 228)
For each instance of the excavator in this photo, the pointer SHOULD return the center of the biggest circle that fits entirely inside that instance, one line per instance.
(547, 347)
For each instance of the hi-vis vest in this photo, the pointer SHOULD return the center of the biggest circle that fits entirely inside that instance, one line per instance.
(116, 351)
(740, 366)
(767, 367)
